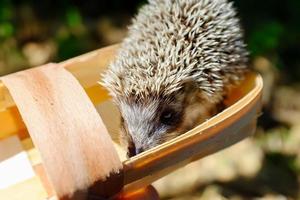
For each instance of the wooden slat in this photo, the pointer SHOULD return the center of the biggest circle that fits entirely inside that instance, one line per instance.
(33, 154)
(31, 189)
(87, 68)
(76, 150)
(11, 123)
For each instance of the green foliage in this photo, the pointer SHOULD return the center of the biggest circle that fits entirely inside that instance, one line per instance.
(266, 38)
(272, 29)
(73, 17)
(6, 30)
(70, 46)
(6, 15)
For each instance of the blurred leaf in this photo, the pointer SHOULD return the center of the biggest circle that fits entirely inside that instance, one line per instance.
(266, 38)
(6, 10)
(73, 17)
(6, 30)
(70, 46)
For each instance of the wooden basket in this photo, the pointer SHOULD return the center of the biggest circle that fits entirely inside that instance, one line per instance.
(18, 151)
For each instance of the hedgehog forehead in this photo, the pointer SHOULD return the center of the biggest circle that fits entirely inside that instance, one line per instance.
(134, 112)
(147, 74)
(144, 86)
(152, 102)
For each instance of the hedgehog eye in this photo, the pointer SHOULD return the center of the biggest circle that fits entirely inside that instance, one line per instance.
(167, 117)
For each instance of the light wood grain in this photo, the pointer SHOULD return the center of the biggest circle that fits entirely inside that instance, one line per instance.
(74, 144)
(31, 189)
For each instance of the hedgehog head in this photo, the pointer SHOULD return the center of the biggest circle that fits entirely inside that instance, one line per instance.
(157, 112)
(148, 111)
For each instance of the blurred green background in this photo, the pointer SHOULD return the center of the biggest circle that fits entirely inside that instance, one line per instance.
(266, 166)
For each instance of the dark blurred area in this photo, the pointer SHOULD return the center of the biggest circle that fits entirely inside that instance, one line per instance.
(264, 167)
(35, 32)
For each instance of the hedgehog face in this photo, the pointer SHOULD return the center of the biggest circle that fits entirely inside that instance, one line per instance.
(149, 122)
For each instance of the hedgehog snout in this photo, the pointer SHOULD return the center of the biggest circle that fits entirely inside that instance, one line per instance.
(146, 138)
(138, 133)
(140, 142)
(148, 122)
(132, 151)
(143, 135)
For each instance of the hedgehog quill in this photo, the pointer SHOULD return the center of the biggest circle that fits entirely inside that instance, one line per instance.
(174, 69)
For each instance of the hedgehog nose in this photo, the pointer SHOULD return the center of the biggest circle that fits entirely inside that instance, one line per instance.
(132, 151)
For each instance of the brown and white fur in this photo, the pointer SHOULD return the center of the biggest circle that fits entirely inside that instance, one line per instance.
(174, 68)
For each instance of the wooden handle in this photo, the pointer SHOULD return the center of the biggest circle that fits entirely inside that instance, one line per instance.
(77, 152)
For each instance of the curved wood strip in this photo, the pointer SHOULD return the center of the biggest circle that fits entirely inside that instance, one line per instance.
(76, 149)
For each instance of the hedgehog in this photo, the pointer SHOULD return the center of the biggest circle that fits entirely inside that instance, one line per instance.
(174, 69)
